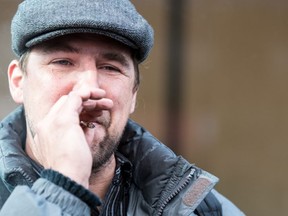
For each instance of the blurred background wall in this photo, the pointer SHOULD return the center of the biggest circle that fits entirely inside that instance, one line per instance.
(227, 109)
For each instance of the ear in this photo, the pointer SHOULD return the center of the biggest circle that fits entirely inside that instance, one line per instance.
(16, 77)
(134, 100)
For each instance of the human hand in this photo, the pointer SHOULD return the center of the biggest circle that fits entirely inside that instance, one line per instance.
(60, 143)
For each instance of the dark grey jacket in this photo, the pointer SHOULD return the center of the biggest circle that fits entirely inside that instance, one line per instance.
(163, 183)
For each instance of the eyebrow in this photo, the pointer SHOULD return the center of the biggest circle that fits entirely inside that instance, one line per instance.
(58, 46)
(116, 56)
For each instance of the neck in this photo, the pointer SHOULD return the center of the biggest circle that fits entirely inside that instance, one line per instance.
(28, 144)
(100, 180)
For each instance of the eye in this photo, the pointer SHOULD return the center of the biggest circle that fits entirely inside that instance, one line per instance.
(109, 68)
(64, 62)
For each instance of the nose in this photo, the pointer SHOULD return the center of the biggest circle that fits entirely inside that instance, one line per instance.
(87, 78)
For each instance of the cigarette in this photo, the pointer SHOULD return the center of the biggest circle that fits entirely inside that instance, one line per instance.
(87, 124)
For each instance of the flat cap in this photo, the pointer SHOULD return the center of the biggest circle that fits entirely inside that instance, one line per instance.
(37, 21)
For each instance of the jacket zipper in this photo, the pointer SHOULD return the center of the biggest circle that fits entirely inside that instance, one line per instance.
(177, 191)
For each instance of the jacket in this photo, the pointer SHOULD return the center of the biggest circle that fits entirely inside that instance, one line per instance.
(163, 183)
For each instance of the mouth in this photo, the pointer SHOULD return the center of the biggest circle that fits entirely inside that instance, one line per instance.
(90, 120)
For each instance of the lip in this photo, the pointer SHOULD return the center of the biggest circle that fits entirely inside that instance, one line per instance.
(88, 120)
(89, 116)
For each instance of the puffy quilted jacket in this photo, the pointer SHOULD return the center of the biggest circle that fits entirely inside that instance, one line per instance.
(163, 183)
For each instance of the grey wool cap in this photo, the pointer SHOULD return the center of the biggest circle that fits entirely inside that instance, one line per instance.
(37, 21)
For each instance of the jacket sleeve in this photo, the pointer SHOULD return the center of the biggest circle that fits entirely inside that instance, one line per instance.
(52, 194)
(44, 198)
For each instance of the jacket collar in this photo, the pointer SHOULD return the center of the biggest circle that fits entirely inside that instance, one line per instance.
(15, 166)
(155, 167)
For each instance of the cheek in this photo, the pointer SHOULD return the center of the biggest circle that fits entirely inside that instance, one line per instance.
(49, 93)
(42, 93)
(121, 110)
(121, 94)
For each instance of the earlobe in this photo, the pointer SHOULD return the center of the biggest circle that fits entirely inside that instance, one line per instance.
(15, 77)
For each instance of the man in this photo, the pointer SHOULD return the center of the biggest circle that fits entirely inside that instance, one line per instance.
(70, 148)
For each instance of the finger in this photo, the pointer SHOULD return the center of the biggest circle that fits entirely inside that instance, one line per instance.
(97, 93)
(102, 104)
(87, 93)
(73, 104)
(57, 106)
(68, 106)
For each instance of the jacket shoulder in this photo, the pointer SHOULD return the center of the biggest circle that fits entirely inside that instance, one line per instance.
(228, 208)
(167, 184)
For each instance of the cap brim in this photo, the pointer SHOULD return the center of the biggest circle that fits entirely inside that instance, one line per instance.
(62, 32)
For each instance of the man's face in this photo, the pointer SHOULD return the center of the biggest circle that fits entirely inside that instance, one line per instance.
(74, 62)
